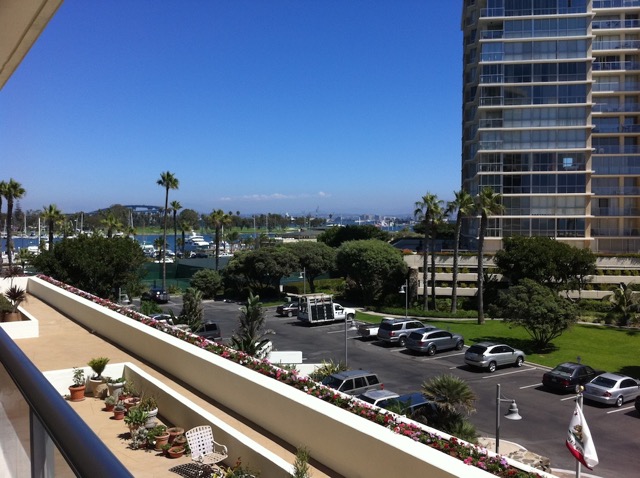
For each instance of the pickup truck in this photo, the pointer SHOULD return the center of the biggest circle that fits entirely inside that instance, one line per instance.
(370, 331)
(318, 308)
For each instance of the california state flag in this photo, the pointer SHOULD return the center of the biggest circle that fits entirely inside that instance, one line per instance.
(579, 440)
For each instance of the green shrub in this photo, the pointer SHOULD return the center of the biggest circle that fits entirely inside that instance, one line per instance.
(148, 307)
(589, 305)
(207, 281)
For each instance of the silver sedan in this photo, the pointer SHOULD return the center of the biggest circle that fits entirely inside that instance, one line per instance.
(612, 389)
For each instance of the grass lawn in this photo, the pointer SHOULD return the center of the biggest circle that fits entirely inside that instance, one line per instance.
(605, 348)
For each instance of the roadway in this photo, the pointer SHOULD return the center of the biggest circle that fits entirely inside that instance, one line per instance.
(546, 415)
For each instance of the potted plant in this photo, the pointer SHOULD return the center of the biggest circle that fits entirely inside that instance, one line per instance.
(149, 405)
(174, 433)
(76, 391)
(16, 296)
(98, 365)
(128, 390)
(179, 440)
(118, 411)
(175, 451)
(131, 402)
(158, 436)
(135, 418)
(5, 307)
(110, 403)
(115, 386)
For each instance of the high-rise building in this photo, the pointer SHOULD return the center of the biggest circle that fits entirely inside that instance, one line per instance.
(551, 118)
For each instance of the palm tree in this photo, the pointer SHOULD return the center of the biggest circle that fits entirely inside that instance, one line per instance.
(454, 400)
(184, 227)
(111, 223)
(463, 203)
(422, 213)
(250, 335)
(488, 203)
(3, 188)
(175, 207)
(167, 181)
(51, 214)
(218, 220)
(438, 215)
(625, 302)
(12, 191)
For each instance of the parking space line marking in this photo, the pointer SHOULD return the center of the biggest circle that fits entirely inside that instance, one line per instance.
(621, 409)
(572, 397)
(531, 386)
(509, 373)
(442, 356)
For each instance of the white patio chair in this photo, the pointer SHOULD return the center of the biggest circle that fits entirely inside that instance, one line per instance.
(204, 449)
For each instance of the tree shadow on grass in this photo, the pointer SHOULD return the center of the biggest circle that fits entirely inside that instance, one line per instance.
(631, 371)
(526, 345)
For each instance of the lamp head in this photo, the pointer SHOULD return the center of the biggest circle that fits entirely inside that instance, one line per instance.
(513, 414)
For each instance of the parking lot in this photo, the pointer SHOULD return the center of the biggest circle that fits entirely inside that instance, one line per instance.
(545, 415)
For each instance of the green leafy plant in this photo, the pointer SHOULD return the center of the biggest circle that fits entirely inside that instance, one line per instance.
(148, 403)
(110, 400)
(98, 365)
(301, 465)
(78, 377)
(136, 417)
(16, 295)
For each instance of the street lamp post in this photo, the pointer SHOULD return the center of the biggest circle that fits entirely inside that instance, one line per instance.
(404, 289)
(512, 414)
(303, 276)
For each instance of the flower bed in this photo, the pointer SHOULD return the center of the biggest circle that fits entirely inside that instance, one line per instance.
(470, 454)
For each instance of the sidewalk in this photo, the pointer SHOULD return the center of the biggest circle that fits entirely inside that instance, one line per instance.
(521, 454)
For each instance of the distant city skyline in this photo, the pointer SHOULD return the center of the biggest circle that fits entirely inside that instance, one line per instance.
(290, 106)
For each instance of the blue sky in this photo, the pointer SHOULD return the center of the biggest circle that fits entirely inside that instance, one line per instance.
(339, 106)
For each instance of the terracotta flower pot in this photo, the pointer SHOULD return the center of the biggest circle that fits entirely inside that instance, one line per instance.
(76, 394)
(175, 451)
(161, 440)
(118, 414)
(174, 432)
(131, 402)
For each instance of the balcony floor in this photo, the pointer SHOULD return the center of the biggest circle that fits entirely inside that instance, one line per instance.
(64, 344)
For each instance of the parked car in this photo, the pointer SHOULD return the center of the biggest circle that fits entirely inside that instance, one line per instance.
(410, 403)
(396, 331)
(353, 382)
(209, 330)
(612, 389)
(288, 309)
(370, 331)
(375, 397)
(432, 340)
(490, 356)
(569, 376)
(156, 294)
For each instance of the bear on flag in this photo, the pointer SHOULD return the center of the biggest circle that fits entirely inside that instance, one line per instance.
(579, 440)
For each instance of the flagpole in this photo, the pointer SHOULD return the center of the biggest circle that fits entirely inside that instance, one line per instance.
(578, 464)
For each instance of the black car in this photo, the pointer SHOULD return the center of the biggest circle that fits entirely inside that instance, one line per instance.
(568, 377)
(156, 294)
